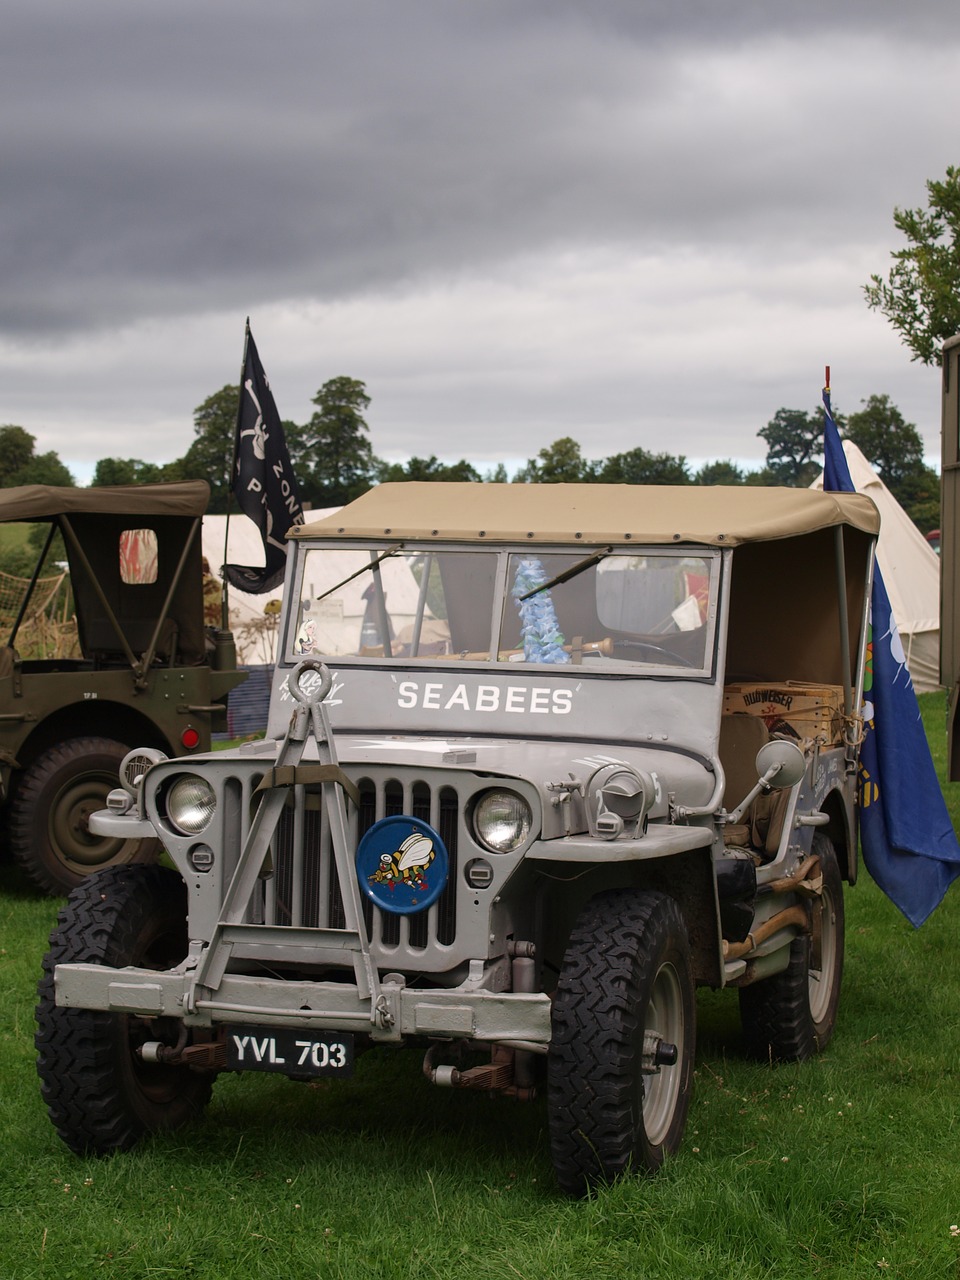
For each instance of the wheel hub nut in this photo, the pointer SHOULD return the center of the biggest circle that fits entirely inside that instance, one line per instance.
(666, 1055)
(657, 1053)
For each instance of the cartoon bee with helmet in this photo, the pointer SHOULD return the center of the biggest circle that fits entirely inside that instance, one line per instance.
(407, 865)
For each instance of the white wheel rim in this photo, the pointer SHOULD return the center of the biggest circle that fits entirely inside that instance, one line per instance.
(664, 1018)
(820, 981)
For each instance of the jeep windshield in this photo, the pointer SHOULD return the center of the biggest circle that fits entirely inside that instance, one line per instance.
(614, 610)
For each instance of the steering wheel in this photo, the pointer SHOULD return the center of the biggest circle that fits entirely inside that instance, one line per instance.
(675, 659)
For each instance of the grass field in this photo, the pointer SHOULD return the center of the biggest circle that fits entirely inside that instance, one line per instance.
(844, 1166)
(14, 535)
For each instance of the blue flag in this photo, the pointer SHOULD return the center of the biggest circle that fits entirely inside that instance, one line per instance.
(909, 845)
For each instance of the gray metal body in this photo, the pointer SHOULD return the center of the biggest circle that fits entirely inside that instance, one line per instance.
(281, 931)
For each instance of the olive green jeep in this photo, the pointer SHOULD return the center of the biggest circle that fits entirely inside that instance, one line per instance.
(101, 653)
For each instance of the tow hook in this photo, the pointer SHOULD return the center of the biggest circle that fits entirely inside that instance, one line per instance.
(383, 1017)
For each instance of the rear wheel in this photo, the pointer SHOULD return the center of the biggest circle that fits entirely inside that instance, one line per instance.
(621, 1056)
(792, 1015)
(101, 1095)
(49, 815)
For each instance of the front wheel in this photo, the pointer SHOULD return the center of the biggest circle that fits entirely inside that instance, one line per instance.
(100, 1094)
(49, 814)
(621, 1055)
(792, 1015)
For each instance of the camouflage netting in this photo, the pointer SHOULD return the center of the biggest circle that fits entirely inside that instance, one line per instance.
(49, 627)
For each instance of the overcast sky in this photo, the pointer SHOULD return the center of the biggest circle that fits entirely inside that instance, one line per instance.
(634, 222)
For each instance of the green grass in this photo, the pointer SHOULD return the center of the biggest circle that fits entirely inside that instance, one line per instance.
(14, 536)
(844, 1166)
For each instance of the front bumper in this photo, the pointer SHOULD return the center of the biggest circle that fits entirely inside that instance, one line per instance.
(518, 1019)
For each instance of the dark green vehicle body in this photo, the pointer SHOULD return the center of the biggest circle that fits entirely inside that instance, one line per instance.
(145, 670)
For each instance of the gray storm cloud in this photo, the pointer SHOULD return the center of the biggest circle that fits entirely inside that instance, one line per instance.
(161, 165)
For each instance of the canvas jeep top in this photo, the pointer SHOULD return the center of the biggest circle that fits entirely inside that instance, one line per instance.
(540, 760)
(126, 663)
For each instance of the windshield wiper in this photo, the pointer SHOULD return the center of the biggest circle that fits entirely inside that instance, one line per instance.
(392, 551)
(572, 572)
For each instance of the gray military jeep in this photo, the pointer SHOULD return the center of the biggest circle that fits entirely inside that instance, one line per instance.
(540, 761)
(126, 662)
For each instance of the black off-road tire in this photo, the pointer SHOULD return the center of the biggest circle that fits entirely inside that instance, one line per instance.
(100, 1095)
(626, 971)
(50, 808)
(791, 1016)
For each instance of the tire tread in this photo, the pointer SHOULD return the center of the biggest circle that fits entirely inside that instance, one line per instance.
(595, 1030)
(41, 862)
(775, 1013)
(82, 1079)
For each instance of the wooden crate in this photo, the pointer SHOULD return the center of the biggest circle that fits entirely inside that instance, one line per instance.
(799, 710)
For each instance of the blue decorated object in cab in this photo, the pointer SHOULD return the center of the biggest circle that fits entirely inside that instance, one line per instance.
(539, 627)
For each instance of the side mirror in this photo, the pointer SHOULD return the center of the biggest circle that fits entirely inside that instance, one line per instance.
(780, 764)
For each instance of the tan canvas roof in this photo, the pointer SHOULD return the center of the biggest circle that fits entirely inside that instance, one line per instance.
(588, 514)
(44, 501)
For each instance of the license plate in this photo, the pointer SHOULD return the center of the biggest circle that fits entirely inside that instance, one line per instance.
(295, 1053)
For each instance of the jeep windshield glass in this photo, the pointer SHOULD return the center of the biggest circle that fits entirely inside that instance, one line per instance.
(613, 611)
(420, 604)
(651, 609)
(373, 563)
(566, 574)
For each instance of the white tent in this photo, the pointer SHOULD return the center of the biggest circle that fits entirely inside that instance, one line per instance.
(253, 627)
(911, 573)
(254, 618)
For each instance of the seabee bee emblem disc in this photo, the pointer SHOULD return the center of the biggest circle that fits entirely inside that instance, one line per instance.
(402, 865)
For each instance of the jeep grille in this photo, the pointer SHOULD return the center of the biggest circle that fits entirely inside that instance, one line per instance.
(305, 888)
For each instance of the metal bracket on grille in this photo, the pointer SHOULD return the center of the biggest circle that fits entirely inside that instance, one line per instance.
(309, 715)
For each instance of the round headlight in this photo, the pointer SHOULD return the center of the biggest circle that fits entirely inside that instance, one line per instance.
(190, 804)
(501, 821)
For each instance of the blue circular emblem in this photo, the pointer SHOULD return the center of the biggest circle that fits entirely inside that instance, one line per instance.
(402, 865)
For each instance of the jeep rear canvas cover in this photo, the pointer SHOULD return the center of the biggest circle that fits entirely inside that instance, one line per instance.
(46, 502)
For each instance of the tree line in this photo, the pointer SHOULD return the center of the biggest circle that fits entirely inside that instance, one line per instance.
(333, 457)
(794, 441)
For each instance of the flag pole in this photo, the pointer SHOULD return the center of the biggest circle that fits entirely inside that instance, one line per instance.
(841, 565)
(224, 601)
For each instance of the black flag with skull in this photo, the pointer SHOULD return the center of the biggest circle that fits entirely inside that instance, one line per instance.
(263, 480)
